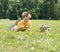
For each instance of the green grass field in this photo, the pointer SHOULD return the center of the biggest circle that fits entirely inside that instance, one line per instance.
(33, 41)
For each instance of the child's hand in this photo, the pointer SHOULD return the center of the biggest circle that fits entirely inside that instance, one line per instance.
(28, 29)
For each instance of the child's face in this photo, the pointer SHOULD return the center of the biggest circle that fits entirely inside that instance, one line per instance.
(26, 19)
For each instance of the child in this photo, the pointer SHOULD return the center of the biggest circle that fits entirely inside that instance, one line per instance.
(25, 23)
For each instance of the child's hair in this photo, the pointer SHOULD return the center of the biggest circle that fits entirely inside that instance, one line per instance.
(26, 14)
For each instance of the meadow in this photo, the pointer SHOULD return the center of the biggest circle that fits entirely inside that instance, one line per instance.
(33, 41)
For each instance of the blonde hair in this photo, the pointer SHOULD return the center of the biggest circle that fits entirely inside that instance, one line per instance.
(26, 14)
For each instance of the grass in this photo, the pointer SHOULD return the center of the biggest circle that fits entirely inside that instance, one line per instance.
(33, 41)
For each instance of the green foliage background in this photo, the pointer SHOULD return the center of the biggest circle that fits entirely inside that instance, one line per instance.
(39, 9)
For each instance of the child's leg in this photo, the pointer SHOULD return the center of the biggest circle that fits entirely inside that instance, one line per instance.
(12, 27)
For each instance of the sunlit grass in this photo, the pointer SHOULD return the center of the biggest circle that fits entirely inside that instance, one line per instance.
(33, 41)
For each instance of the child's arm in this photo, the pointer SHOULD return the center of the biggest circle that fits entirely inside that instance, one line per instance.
(18, 26)
(29, 26)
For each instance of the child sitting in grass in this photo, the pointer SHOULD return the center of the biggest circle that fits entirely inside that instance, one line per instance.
(25, 23)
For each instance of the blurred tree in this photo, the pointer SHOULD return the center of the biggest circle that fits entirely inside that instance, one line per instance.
(4, 8)
(51, 10)
(39, 9)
